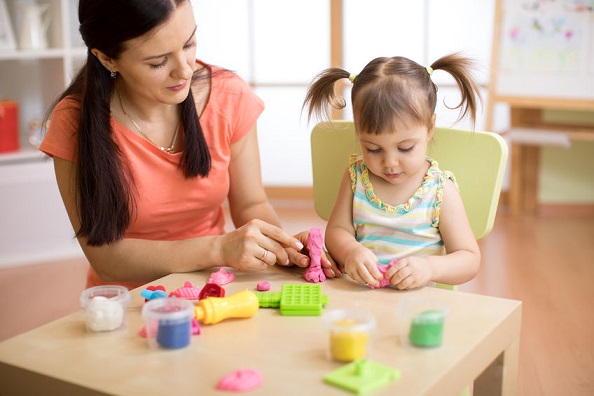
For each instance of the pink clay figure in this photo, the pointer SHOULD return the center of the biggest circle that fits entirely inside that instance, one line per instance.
(315, 244)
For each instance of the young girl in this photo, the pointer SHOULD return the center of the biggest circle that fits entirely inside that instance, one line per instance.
(397, 211)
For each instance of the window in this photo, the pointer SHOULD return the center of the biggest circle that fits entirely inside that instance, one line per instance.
(278, 47)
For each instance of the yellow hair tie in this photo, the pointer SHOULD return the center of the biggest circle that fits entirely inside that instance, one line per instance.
(352, 78)
(429, 70)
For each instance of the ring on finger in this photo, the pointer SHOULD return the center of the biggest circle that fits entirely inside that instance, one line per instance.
(264, 255)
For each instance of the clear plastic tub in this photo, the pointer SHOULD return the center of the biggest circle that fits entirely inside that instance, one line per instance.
(422, 322)
(168, 322)
(105, 307)
(350, 333)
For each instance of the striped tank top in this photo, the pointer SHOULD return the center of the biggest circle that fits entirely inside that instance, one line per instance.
(395, 232)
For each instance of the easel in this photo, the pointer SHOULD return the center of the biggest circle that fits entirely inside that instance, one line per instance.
(528, 107)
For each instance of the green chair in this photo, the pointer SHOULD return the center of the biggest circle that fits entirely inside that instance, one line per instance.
(477, 159)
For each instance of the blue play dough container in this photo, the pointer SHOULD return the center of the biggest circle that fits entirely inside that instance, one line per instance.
(168, 322)
(174, 333)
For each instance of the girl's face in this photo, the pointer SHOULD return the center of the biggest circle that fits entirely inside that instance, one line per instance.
(158, 67)
(397, 156)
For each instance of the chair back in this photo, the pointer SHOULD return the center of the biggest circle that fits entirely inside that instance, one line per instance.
(477, 160)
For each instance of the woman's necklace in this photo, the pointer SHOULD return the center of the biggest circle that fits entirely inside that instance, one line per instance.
(168, 150)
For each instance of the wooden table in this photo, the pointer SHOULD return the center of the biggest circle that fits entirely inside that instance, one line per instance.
(481, 341)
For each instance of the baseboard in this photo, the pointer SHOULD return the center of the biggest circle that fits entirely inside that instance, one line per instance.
(289, 192)
(554, 209)
(33, 257)
(566, 210)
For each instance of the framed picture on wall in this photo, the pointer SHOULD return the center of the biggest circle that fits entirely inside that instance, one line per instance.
(7, 40)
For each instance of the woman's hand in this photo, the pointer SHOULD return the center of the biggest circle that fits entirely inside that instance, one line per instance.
(300, 257)
(257, 245)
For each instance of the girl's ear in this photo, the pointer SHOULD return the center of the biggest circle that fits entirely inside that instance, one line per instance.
(105, 60)
(431, 130)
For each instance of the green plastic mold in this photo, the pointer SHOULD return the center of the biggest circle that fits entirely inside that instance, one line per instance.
(362, 376)
(295, 300)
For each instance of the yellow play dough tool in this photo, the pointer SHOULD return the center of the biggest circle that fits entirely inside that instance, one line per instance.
(211, 310)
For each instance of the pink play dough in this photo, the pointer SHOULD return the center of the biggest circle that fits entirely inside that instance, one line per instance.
(241, 380)
(187, 291)
(221, 277)
(383, 269)
(315, 244)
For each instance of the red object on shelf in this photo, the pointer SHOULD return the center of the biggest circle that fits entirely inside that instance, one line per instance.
(9, 126)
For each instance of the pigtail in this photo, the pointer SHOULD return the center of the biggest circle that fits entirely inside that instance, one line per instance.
(195, 160)
(105, 197)
(104, 191)
(321, 94)
(459, 67)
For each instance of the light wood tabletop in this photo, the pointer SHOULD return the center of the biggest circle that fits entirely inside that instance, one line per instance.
(480, 344)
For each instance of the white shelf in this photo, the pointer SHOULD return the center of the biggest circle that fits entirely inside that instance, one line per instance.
(25, 155)
(49, 53)
(35, 77)
(35, 225)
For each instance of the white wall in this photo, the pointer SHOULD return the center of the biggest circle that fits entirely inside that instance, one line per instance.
(283, 42)
(34, 226)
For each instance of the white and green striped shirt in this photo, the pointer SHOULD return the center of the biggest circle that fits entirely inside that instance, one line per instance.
(395, 232)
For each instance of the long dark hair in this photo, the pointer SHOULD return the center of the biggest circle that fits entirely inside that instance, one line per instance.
(105, 192)
(395, 89)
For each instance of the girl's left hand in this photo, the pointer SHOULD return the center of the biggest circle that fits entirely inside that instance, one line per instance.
(300, 259)
(410, 272)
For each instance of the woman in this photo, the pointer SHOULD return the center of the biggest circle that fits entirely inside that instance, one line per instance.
(147, 144)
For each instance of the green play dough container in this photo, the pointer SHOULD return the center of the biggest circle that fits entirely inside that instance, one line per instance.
(426, 328)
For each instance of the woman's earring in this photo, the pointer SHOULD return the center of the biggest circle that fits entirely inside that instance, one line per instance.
(113, 74)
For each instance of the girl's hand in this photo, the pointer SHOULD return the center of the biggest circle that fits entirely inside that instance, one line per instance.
(361, 266)
(301, 259)
(410, 272)
(257, 245)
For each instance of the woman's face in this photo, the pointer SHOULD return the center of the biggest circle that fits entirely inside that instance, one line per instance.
(158, 66)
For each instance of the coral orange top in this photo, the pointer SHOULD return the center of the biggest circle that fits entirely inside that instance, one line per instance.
(169, 207)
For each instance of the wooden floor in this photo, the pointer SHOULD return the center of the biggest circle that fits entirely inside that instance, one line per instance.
(546, 262)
